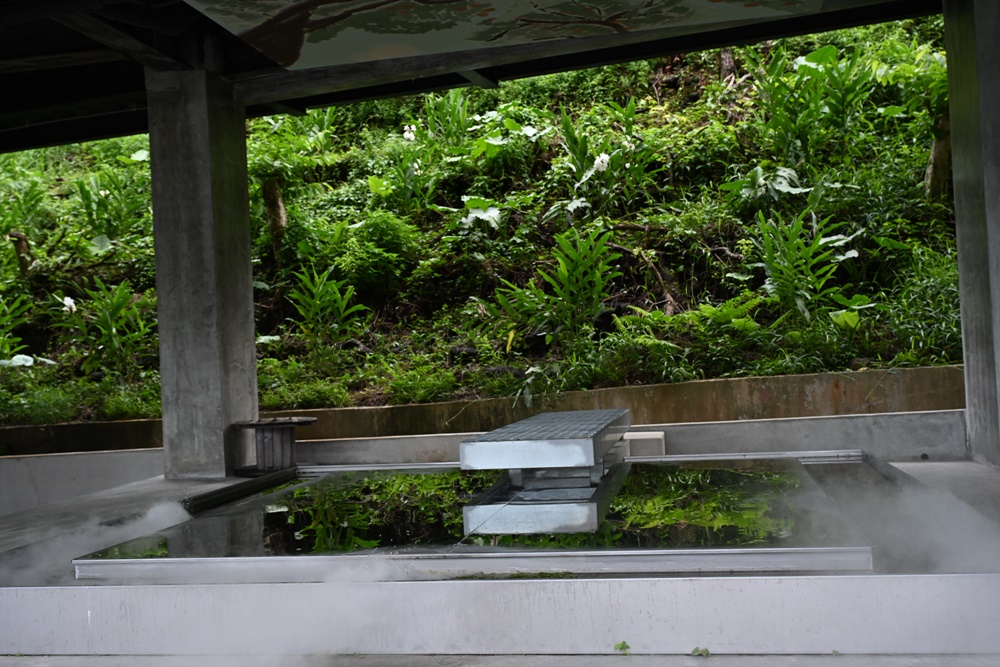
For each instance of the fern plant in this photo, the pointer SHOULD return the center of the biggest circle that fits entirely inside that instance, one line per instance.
(324, 307)
(576, 291)
(12, 314)
(114, 326)
(800, 260)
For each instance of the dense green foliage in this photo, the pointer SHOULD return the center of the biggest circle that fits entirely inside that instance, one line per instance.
(639, 223)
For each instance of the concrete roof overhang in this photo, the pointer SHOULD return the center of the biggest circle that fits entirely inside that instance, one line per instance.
(73, 70)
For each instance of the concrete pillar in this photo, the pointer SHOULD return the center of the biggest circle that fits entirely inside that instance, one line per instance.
(203, 273)
(974, 82)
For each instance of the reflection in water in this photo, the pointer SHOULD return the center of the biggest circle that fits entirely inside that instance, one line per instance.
(659, 506)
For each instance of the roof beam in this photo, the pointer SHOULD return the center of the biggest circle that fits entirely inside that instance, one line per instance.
(272, 86)
(59, 60)
(430, 84)
(58, 113)
(120, 41)
(477, 78)
(285, 108)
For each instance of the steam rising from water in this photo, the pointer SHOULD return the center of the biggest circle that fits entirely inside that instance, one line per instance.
(49, 562)
(914, 528)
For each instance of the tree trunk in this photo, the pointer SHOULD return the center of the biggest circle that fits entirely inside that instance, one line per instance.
(727, 64)
(22, 249)
(277, 217)
(937, 178)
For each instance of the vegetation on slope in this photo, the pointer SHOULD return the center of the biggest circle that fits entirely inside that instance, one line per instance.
(767, 210)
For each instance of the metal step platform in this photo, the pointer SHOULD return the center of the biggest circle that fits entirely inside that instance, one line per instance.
(563, 470)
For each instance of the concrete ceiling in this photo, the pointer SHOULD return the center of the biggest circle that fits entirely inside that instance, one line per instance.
(73, 70)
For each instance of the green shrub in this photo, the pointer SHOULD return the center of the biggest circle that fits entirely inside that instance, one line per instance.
(323, 304)
(30, 396)
(114, 326)
(315, 393)
(446, 280)
(800, 260)
(424, 383)
(388, 232)
(924, 311)
(12, 315)
(131, 401)
(579, 88)
(575, 294)
(378, 253)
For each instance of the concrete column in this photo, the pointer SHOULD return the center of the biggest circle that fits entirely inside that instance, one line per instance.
(974, 82)
(203, 273)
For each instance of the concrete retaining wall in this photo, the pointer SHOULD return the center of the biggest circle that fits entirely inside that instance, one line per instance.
(80, 437)
(900, 436)
(862, 392)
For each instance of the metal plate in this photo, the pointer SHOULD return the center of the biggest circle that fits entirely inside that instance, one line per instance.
(507, 511)
(549, 440)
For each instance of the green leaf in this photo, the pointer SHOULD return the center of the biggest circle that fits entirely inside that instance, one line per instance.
(846, 319)
(380, 186)
(100, 244)
(478, 202)
(891, 244)
(823, 55)
(511, 124)
(893, 110)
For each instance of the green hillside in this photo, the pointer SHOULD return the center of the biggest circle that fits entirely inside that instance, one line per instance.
(781, 208)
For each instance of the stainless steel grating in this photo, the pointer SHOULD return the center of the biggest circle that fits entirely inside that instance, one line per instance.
(549, 440)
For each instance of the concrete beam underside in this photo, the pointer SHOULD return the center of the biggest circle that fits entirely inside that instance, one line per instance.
(203, 272)
(974, 87)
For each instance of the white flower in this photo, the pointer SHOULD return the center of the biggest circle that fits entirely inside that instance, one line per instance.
(18, 360)
(409, 132)
(602, 162)
(628, 165)
(628, 144)
(69, 306)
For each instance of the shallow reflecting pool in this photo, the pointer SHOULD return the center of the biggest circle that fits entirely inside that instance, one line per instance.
(670, 517)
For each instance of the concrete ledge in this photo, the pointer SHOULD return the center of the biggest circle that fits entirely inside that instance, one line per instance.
(871, 614)
(862, 392)
(905, 436)
(897, 436)
(31, 481)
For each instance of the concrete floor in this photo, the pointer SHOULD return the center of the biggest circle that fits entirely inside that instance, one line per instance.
(37, 545)
(976, 484)
(503, 661)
